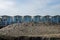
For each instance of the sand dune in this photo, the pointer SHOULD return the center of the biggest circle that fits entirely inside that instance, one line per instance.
(31, 29)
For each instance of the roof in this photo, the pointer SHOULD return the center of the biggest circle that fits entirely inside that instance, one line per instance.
(47, 16)
(17, 16)
(56, 16)
(37, 16)
(6, 16)
(27, 16)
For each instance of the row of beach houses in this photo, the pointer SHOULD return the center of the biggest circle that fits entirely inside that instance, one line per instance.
(7, 20)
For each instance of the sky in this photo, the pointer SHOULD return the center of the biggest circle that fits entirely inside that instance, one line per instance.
(29, 7)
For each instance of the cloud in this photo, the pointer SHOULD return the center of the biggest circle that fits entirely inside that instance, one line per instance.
(6, 4)
(29, 7)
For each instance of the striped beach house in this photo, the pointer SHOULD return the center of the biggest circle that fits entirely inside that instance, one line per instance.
(17, 19)
(37, 18)
(6, 20)
(27, 18)
(55, 19)
(46, 19)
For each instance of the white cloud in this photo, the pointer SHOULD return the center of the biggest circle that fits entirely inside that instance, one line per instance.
(6, 4)
(28, 7)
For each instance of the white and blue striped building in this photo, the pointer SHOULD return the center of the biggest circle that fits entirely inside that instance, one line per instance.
(46, 19)
(37, 18)
(55, 19)
(18, 19)
(6, 20)
(27, 18)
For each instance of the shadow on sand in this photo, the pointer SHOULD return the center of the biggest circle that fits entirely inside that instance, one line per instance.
(29, 38)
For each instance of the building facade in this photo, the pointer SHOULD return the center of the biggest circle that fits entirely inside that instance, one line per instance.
(55, 19)
(6, 20)
(0, 22)
(37, 18)
(27, 18)
(46, 19)
(17, 19)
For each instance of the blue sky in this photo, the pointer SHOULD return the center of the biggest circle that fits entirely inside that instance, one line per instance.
(29, 7)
